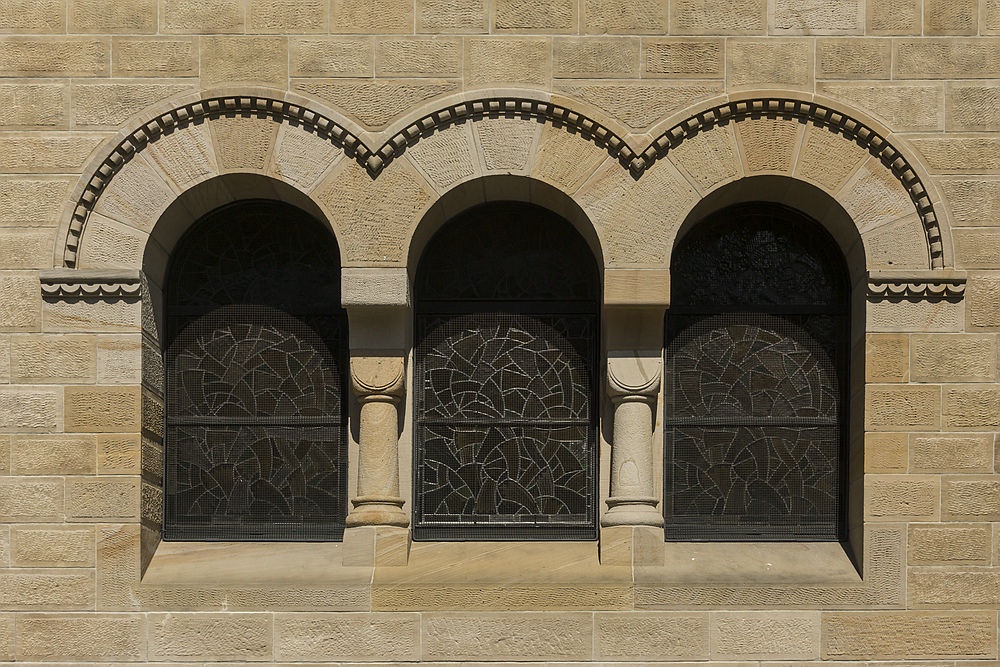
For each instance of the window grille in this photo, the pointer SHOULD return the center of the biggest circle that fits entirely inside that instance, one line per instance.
(505, 435)
(756, 380)
(255, 416)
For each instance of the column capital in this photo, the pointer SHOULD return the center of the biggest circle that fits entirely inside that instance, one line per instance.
(379, 373)
(633, 375)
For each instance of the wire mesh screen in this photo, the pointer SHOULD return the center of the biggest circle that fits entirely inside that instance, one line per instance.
(756, 367)
(505, 431)
(256, 424)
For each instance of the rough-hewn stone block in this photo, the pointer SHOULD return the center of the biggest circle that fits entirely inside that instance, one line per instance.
(903, 107)
(6, 636)
(81, 637)
(302, 157)
(452, 16)
(973, 202)
(4, 363)
(762, 63)
(887, 358)
(418, 56)
(983, 303)
(111, 243)
(52, 546)
(360, 637)
(27, 247)
(886, 635)
(953, 587)
(968, 358)
(827, 159)
(765, 635)
(967, 452)
(32, 16)
(528, 16)
(506, 143)
(960, 154)
(951, 17)
(949, 544)
(989, 21)
(446, 157)
(105, 499)
(46, 589)
(262, 60)
(30, 409)
(886, 452)
(112, 16)
(332, 56)
(212, 637)
(499, 61)
(973, 107)
(972, 406)
(639, 104)
(706, 17)
(27, 499)
(118, 454)
(971, 498)
(651, 636)
(940, 58)
(902, 497)
(54, 454)
(185, 157)
(201, 16)
(243, 143)
(55, 56)
(371, 16)
(37, 153)
(154, 56)
(853, 58)
(102, 409)
(684, 58)
(768, 145)
(379, 102)
(596, 57)
(34, 106)
(31, 202)
(498, 636)
(902, 407)
(53, 359)
(287, 16)
(110, 105)
(820, 17)
(709, 158)
(893, 17)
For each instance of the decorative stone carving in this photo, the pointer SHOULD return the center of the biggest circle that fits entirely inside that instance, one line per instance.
(917, 286)
(80, 284)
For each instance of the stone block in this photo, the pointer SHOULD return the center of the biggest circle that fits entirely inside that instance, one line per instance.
(54, 454)
(30, 409)
(966, 452)
(768, 145)
(371, 16)
(104, 499)
(983, 303)
(53, 359)
(596, 57)
(30, 499)
(960, 154)
(503, 636)
(762, 63)
(447, 157)
(113, 16)
(287, 16)
(301, 157)
(202, 16)
(81, 637)
(684, 58)
(376, 103)
(887, 358)
(91, 315)
(651, 636)
(909, 635)
(853, 58)
(332, 56)
(709, 159)
(32, 202)
(639, 104)
(452, 16)
(528, 16)
(953, 587)
(989, 23)
(243, 143)
(893, 17)
(507, 144)
(184, 157)
(973, 201)
(154, 56)
(972, 107)
(565, 159)
(6, 636)
(497, 61)
(902, 498)
(706, 17)
(111, 243)
(102, 409)
(118, 454)
(827, 157)
(4, 361)
(211, 637)
(968, 358)
(55, 56)
(360, 637)
(418, 57)
(52, 546)
(970, 498)
(951, 17)
(110, 105)
(821, 17)
(34, 106)
(974, 407)
(902, 407)
(899, 244)
(38, 153)
(27, 247)
(946, 58)
(765, 636)
(904, 107)
(886, 452)
(63, 590)
(137, 196)
(32, 16)
(949, 544)
(250, 59)
(119, 359)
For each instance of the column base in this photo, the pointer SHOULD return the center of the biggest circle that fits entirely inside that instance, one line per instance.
(376, 546)
(377, 511)
(631, 546)
(632, 511)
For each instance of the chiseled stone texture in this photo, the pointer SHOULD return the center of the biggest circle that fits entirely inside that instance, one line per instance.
(243, 143)
(951, 452)
(41, 153)
(102, 498)
(32, 16)
(53, 359)
(6, 636)
(202, 16)
(886, 452)
(819, 17)
(684, 57)
(55, 56)
(27, 247)
(902, 407)
(34, 106)
(260, 60)
(493, 61)
(596, 57)
(967, 358)
(154, 56)
(30, 409)
(371, 16)
(31, 499)
(949, 544)
(446, 157)
(902, 497)
(887, 358)
(951, 17)
(287, 16)
(624, 16)
(853, 58)
(651, 636)
(709, 17)
(30, 202)
(112, 16)
(79, 637)
(893, 17)
(983, 302)
(971, 498)
(110, 105)
(46, 589)
(640, 104)
(418, 57)
(763, 63)
(974, 406)
(376, 103)
(765, 636)
(52, 546)
(209, 637)
(529, 16)
(768, 145)
(361, 637)
(118, 454)
(497, 636)
(947, 58)
(452, 16)
(913, 635)
(506, 143)
(973, 201)
(903, 107)
(973, 107)
(102, 409)
(953, 587)
(332, 56)
(54, 454)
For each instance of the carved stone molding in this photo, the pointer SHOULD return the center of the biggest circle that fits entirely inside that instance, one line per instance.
(917, 285)
(375, 160)
(80, 284)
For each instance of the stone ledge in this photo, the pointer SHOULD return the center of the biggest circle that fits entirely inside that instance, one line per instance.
(89, 283)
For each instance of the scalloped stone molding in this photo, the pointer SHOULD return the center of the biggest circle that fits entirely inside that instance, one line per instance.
(917, 285)
(374, 161)
(88, 284)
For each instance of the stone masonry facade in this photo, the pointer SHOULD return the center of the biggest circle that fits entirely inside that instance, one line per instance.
(124, 121)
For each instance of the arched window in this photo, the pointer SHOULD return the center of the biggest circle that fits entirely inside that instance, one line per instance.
(505, 434)
(756, 380)
(255, 416)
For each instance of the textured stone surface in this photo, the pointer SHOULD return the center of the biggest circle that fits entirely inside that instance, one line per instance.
(971, 498)
(909, 635)
(684, 58)
(939, 58)
(827, 158)
(111, 243)
(52, 546)
(902, 107)
(46, 589)
(112, 16)
(228, 60)
(119, 359)
(983, 303)
(819, 17)
(768, 145)
(951, 452)
(53, 359)
(211, 637)
(968, 358)
(761, 63)
(347, 637)
(27, 248)
(92, 315)
(154, 56)
(972, 406)
(902, 407)
(32, 16)
(53, 454)
(899, 244)
(6, 636)
(594, 57)
(136, 196)
(196, 16)
(651, 636)
(280, 16)
(902, 497)
(493, 61)
(951, 587)
(465, 16)
(243, 143)
(376, 103)
(639, 105)
(301, 157)
(332, 56)
(81, 637)
(973, 107)
(766, 635)
(34, 106)
(705, 17)
(960, 154)
(27, 410)
(949, 544)
(102, 498)
(528, 16)
(565, 158)
(55, 56)
(887, 358)
(886, 452)
(102, 409)
(506, 143)
(371, 16)
(709, 158)
(951, 17)
(185, 156)
(31, 201)
(110, 105)
(973, 202)
(893, 17)
(418, 56)
(446, 157)
(874, 197)
(853, 58)
(25, 499)
(47, 153)
(19, 302)
(538, 636)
